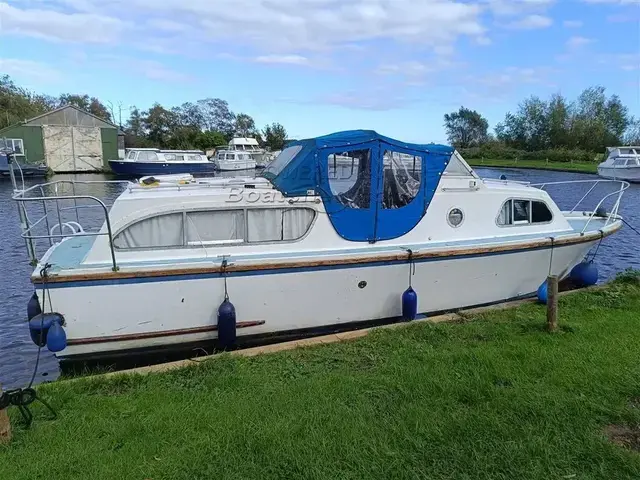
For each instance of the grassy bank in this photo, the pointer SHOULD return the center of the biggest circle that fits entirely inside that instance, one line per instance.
(590, 167)
(496, 398)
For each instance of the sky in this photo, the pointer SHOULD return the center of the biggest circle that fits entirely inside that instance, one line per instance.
(320, 66)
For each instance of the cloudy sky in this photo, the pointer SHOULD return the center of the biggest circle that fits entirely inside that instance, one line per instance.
(319, 66)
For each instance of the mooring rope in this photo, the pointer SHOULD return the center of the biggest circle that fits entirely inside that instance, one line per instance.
(23, 397)
(630, 226)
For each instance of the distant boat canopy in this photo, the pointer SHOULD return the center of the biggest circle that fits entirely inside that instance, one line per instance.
(373, 187)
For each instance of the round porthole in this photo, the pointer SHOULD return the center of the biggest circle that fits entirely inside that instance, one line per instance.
(455, 217)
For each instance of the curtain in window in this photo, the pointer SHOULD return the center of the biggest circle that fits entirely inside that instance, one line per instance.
(159, 231)
(265, 224)
(505, 214)
(215, 225)
(296, 222)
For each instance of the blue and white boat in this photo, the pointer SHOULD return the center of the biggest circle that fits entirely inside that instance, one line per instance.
(153, 161)
(407, 229)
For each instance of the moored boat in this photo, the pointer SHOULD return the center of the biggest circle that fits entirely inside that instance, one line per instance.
(184, 261)
(622, 163)
(232, 160)
(153, 161)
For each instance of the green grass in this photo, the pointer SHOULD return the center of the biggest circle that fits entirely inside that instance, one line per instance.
(591, 167)
(496, 398)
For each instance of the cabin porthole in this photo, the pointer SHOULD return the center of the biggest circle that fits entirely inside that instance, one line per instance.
(455, 217)
(362, 284)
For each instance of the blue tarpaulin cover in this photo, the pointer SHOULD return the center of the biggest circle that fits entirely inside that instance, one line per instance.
(305, 166)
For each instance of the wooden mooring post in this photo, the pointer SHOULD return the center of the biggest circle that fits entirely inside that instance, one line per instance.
(5, 425)
(552, 303)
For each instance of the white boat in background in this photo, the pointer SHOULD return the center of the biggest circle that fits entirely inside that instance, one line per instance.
(252, 147)
(622, 163)
(180, 262)
(231, 160)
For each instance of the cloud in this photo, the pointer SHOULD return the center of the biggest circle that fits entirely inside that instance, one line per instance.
(55, 26)
(282, 27)
(283, 59)
(29, 70)
(628, 62)
(622, 18)
(531, 22)
(572, 23)
(498, 85)
(157, 71)
(367, 100)
(613, 2)
(577, 42)
(518, 7)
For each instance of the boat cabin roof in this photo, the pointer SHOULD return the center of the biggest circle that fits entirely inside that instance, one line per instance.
(244, 141)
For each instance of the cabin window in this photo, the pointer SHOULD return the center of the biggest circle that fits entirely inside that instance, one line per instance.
(632, 162)
(148, 156)
(231, 156)
(132, 155)
(169, 157)
(620, 162)
(282, 160)
(153, 232)
(354, 190)
(402, 174)
(521, 212)
(215, 226)
(455, 217)
(456, 167)
(278, 224)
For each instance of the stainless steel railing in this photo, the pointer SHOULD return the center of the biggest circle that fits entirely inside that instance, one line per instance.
(617, 193)
(48, 193)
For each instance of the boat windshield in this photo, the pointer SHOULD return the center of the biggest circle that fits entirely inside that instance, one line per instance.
(282, 160)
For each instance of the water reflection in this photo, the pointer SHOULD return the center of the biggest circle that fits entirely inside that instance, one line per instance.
(17, 353)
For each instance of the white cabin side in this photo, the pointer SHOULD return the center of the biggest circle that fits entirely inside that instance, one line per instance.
(480, 205)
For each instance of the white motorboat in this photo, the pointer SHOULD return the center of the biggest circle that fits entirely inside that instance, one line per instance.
(252, 147)
(622, 163)
(180, 262)
(231, 160)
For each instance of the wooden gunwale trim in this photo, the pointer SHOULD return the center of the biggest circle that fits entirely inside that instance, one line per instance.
(164, 333)
(287, 264)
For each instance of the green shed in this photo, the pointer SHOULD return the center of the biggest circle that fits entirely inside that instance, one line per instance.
(67, 140)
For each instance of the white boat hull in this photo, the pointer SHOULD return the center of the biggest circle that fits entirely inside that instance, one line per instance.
(231, 166)
(629, 174)
(137, 314)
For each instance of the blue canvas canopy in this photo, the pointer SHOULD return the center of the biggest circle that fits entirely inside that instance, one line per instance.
(373, 187)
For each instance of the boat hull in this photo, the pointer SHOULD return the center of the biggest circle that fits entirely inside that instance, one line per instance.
(132, 169)
(235, 166)
(105, 317)
(629, 174)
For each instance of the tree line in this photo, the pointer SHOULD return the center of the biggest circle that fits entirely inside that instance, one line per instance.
(553, 127)
(201, 125)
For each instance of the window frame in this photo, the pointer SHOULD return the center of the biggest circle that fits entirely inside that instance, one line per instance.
(13, 141)
(213, 243)
(522, 223)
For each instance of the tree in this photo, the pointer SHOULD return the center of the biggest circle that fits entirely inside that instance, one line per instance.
(632, 135)
(216, 116)
(274, 136)
(245, 125)
(465, 128)
(159, 124)
(18, 104)
(558, 122)
(88, 104)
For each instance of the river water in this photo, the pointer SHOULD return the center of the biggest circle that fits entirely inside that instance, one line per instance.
(17, 352)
